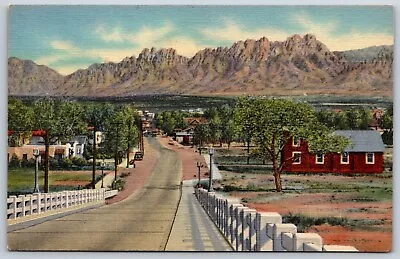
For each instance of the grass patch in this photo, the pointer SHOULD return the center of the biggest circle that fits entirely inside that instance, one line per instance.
(251, 169)
(22, 180)
(304, 222)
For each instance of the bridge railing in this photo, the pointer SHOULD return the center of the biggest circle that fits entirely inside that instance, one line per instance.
(249, 230)
(23, 205)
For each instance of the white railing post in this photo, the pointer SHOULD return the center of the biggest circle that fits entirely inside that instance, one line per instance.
(22, 199)
(14, 206)
(277, 231)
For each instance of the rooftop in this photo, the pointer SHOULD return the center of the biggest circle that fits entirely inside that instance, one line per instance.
(363, 140)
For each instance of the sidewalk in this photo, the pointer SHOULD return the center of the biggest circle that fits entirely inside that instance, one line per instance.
(215, 172)
(192, 229)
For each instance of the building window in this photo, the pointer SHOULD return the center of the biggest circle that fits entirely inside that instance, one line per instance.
(25, 157)
(296, 158)
(344, 158)
(319, 159)
(296, 141)
(370, 158)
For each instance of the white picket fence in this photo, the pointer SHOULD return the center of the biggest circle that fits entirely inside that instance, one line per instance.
(249, 230)
(23, 205)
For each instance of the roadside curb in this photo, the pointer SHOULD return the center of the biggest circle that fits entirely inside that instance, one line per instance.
(40, 218)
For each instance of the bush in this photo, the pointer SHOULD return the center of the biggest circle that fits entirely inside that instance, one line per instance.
(303, 222)
(14, 161)
(79, 161)
(29, 163)
(118, 184)
(65, 163)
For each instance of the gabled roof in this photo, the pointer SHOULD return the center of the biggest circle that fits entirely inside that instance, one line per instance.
(80, 139)
(363, 140)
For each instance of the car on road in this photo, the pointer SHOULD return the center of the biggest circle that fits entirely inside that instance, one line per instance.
(138, 156)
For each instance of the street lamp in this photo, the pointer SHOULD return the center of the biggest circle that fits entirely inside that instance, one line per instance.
(199, 165)
(211, 153)
(102, 173)
(36, 154)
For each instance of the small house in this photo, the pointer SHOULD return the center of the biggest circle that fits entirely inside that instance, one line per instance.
(364, 155)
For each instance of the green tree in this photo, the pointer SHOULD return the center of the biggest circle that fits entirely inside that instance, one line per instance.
(132, 130)
(115, 141)
(202, 135)
(245, 121)
(387, 125)
(20, 118)
(59, 121)
(276, 121)
(95, 117)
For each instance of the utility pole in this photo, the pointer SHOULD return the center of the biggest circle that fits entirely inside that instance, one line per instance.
(94, 158)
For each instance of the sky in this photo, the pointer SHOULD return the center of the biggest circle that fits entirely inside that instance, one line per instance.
(67, 38)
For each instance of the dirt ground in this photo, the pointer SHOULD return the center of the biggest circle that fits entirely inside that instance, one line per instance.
(375, 236)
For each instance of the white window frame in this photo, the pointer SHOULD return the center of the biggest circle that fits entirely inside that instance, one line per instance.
(348, 158)
(323, 158)
(293, 155)
(293, 142)
(373, 158)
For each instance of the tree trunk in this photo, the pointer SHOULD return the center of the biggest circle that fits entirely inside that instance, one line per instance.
(277, 174)
(248, 151)
(127, 157)
(46, 162)
(115, 168)
(94, 159)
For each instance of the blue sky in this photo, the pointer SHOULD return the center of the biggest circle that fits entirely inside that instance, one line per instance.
(68, 38)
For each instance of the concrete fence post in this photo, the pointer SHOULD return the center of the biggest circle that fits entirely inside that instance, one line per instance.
(45, 202)
(14, 202)
(210, 204)
(277, 231)
(252, 222)
(245, 218)
(22, 199)
(67, 199)
(233, 216)
(239, 237)
(38, 203)
(300, 239)
(29, 210)
(265, 239)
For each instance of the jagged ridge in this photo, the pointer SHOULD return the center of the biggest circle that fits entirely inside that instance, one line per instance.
(299, 64)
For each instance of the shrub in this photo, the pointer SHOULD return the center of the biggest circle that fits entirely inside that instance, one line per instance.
(78, 161)
(303, 222)
(28, 163)
(14, 161)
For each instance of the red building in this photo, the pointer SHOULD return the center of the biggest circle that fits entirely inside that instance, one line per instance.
(364, 155)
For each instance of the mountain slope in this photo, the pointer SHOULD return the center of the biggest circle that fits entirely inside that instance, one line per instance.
(295, 66)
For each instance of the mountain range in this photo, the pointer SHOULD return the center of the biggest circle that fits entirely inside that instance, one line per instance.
(298, 65)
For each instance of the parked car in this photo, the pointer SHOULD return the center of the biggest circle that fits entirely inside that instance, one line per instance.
(138, 156)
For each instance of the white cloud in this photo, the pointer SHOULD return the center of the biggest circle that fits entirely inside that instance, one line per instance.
(352, 40)
(110, 35)
(184, 46)
(148, 36)
(325, 32)
(62, 45)
(232, 31)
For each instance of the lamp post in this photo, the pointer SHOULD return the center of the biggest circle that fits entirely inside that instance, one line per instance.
(36, 155)
(102, 173)
(211, 153)
(199, 165)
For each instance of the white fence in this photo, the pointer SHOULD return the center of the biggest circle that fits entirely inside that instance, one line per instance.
(23, 205)
(249, 230)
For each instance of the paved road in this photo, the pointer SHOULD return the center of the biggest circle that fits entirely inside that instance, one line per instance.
(142, 222)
